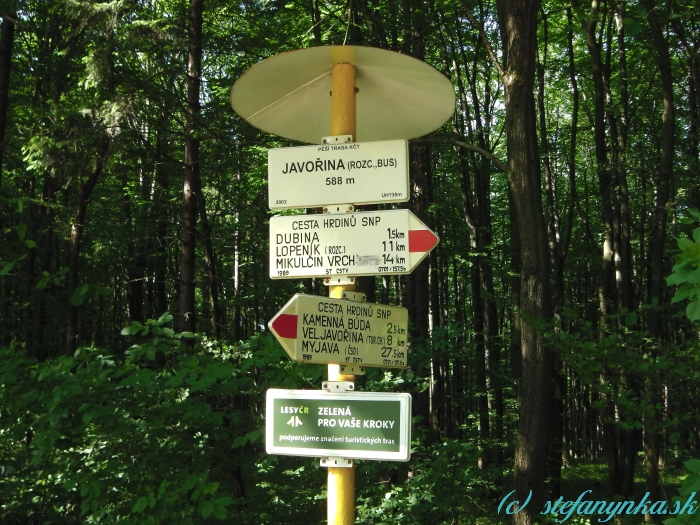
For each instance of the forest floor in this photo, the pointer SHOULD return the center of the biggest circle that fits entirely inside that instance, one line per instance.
(581, 476)
(433, 505)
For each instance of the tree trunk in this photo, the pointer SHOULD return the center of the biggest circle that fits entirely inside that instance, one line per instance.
(191, 178)
(211, 277)
(162, 185)
(518, 21)
(417, 283)
(39, 348)
(76, 234)
(658, 239)
(557, 263)
(605, 286)
(7, 40)
(134, 271)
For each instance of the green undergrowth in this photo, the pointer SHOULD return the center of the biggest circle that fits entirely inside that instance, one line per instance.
(160, 433)
(171, 433)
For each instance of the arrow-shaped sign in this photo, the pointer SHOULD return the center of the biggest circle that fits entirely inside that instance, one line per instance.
(364, 243)
(314, 329)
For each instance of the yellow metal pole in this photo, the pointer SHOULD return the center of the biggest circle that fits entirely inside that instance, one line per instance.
(341, 481)
(343, 105)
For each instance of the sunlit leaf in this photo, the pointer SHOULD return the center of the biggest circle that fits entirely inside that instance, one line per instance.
(693, 310)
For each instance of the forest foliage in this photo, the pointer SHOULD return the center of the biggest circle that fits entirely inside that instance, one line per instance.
(134, 349)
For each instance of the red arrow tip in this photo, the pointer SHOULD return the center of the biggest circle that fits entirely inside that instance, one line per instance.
(285, 325)
(421, 240)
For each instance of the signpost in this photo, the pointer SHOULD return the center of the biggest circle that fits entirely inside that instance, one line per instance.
(360, 425)
(314, 329)
(358, 173)
(364, 243)
(401, 98)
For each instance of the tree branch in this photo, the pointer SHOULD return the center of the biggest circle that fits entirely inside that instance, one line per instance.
(480, 27)
(466, 145)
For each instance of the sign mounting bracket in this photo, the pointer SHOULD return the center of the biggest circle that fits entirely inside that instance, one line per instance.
(338, 281)
(338, 386)
(336, 462)
(354, 370)
(355, 297)
(337, 139)
(338, 209)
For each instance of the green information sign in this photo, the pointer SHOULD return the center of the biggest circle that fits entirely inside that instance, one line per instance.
(360, 425)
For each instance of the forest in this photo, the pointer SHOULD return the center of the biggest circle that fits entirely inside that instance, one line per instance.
(554, 344)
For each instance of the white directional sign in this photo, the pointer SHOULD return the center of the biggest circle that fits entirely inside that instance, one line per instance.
(362, 425)
(365, 243)
(314, 329)
(353, 173)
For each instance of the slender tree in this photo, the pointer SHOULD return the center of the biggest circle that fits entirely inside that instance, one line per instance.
(518, 21)
(192, 167)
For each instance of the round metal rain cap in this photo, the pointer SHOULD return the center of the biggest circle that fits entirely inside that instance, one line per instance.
(399, 96)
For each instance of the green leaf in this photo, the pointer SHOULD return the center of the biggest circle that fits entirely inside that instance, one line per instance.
(163, 487)
(693, 310)
(239, 441)
(7, 267)
(102, 290)
(694, 212)
(672, 521)
(132, 329)
(77, 298)
(631, 319)
(191, 481)
(633, 28)
(225, 501)
(685, 244)
(683, 292)
(693, 465)
(681, 273)
(206, 508)
(21, 230)
(140, 504)
(165, 318)
(694, 277)
(30, 244)
(220, 512)
(691, 484)
(690, 257)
